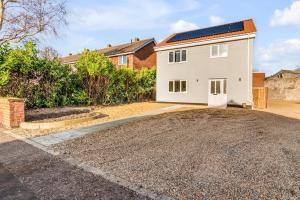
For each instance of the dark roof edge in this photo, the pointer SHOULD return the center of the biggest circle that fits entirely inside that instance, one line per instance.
(142, 46)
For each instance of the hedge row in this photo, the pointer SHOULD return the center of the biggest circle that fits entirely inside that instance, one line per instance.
(47, 83)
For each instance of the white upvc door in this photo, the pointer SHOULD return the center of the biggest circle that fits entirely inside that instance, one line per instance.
(217, 93)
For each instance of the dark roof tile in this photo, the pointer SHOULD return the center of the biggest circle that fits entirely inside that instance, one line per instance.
(112, 51)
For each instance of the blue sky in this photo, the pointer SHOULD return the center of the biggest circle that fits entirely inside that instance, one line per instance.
(95, 23)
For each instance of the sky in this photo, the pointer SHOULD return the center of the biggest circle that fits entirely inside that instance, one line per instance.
(93, 24)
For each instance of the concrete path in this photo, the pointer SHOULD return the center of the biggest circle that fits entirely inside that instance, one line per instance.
(49, 140)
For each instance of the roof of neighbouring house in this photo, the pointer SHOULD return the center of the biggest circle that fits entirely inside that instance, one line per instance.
(122, 49)
(296, 71)
(221, 31)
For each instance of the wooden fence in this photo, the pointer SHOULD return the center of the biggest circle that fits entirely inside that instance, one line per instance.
(260, 97)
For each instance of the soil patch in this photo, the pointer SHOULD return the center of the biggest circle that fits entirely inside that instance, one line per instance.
(55, 114)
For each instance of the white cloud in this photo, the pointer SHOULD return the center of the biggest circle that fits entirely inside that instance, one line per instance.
(289, 16)
(216, 20)
(278, 55)
(130, 14)
(182, 25)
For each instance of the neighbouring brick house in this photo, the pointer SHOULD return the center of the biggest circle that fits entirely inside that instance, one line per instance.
(137, 54)
(284, 85)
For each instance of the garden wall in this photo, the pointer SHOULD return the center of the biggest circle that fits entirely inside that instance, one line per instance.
(12, 112)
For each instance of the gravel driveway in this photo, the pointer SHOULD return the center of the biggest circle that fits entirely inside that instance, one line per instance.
(27, 173)
(201, 154)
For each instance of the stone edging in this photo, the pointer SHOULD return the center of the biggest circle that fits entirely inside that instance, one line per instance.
(57, 124)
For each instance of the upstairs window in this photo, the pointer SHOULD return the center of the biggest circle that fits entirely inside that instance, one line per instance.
(177, 56)
(123, 60)
(171, 57)
(219, 50)
(183, 55)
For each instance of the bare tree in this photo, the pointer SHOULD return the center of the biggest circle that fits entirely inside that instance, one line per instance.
(48, 53)
(21, 19)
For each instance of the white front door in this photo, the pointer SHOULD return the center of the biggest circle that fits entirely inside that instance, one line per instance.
(217, 93)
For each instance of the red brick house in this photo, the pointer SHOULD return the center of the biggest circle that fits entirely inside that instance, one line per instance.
(137, 54)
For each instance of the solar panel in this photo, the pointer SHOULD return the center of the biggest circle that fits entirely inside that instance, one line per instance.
(227, 28)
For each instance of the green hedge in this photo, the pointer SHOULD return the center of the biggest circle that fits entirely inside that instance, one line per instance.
(47, 83)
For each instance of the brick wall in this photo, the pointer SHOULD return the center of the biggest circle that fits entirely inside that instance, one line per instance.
(11, 112)
(258, 79)
(115, 61)
(145, 57)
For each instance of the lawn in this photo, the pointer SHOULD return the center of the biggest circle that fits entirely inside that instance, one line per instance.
(201, 154)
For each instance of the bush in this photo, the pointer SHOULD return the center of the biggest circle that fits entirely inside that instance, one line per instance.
(43, 83)
(95, 72)
(123, 87)
(47, 83)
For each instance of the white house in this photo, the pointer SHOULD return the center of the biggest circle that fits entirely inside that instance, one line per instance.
(209, 66)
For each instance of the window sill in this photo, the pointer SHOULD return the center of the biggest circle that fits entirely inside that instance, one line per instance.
(177, 92)
(218, 56)
(177, 62)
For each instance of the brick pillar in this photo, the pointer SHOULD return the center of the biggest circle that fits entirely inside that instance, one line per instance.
(12, 112)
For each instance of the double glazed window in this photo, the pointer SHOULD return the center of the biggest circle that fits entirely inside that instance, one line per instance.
(177, 86)
(123, 60)
(216, 87)
(177, 56)
(219, 50)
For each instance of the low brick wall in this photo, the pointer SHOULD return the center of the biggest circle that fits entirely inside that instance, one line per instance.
(12, 112)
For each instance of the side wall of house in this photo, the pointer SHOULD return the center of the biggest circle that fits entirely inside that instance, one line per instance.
(199, 68)
(115, 61)
(145, 57)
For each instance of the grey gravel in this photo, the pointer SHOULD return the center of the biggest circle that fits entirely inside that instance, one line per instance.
(201, 154)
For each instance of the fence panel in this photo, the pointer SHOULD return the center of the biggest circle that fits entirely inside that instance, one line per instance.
(260, 97)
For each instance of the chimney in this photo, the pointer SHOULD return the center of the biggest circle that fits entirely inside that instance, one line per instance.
(109, 45)
(136, 39)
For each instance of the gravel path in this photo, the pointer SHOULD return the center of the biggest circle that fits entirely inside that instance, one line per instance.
(29, 173)
(201, 154)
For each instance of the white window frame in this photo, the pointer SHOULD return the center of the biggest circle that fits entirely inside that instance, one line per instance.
(173, 81)
(121, 58)
(180, 56)
(219, 47)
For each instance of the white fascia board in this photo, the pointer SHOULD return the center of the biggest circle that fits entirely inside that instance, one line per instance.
(212, 41)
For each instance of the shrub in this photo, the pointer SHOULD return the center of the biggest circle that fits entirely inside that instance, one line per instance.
(95, 73)
(43, 83)
(47, 83)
